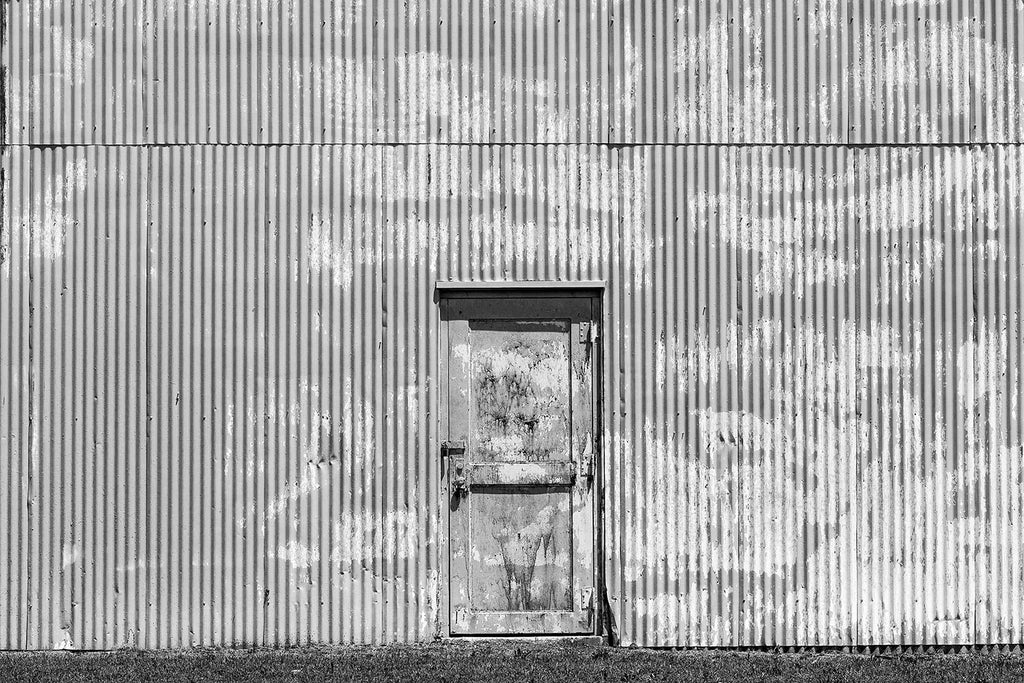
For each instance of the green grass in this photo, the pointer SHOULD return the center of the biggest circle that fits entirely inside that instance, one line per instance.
(519, 661)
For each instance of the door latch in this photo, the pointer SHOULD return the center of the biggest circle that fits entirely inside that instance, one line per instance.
(455, 452)
(588, 332)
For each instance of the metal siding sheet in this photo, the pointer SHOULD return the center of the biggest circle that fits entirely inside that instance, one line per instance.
(795, 527)
(812, 385)
(282, 71)
(15, 434)
(588, 71)
(75, 72)
(846, 376)
(752, 404)
(200, 453)
(992, 383)
(935, 72)
(231, 71)
(816, 72)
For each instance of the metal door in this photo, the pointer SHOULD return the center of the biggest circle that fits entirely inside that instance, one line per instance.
(519, 445)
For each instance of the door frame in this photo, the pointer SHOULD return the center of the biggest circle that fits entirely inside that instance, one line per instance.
(541, 289)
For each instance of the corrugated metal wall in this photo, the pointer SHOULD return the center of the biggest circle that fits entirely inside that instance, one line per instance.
(816, 430)
(571, 71)
(218, 393)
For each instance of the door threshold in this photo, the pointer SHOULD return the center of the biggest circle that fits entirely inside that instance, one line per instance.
(571, 639)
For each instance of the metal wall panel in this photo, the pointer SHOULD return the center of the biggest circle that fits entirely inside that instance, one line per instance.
(15, 432)
(852, 375)
(588, 71)
(285, 71)
(947, 72)
(818, 72)
(203, 332)
(812, 385)
(731, 523)
(201, 71)
(76, 72)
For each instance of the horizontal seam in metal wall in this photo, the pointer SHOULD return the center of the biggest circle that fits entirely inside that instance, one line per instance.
(613, 145)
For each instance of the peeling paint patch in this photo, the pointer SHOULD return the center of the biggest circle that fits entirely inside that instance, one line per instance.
(5, 248)
(326, 445)
(135, 566)
(537, 9)
(352, 539)
(895, 64)
(299, 556)
(309, 482)
(982, 365)
(333, 248)
(63, 640)
(72, 56)
(358, 538)
(451, 99)
(719, 99)
(343, 88)
(46, 224)
(71, 553)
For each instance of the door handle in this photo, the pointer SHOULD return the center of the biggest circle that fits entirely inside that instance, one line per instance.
(455, 453)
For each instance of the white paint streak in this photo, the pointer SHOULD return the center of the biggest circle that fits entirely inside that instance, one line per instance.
(896, 64)
(325, 446)
(344, 89)
(298, 555)
(358, 537)
(536, 9)
(46, 224)
(336, 247)
(309, 482)
(71, 553)
(716, 100)
(982, 365)
(72, 56)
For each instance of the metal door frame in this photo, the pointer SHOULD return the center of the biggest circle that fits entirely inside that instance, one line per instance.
(592, 289)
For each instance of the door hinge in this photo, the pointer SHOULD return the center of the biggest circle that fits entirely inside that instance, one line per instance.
(588, 332)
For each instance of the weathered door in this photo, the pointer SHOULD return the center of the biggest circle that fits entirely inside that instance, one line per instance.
(518, 459)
